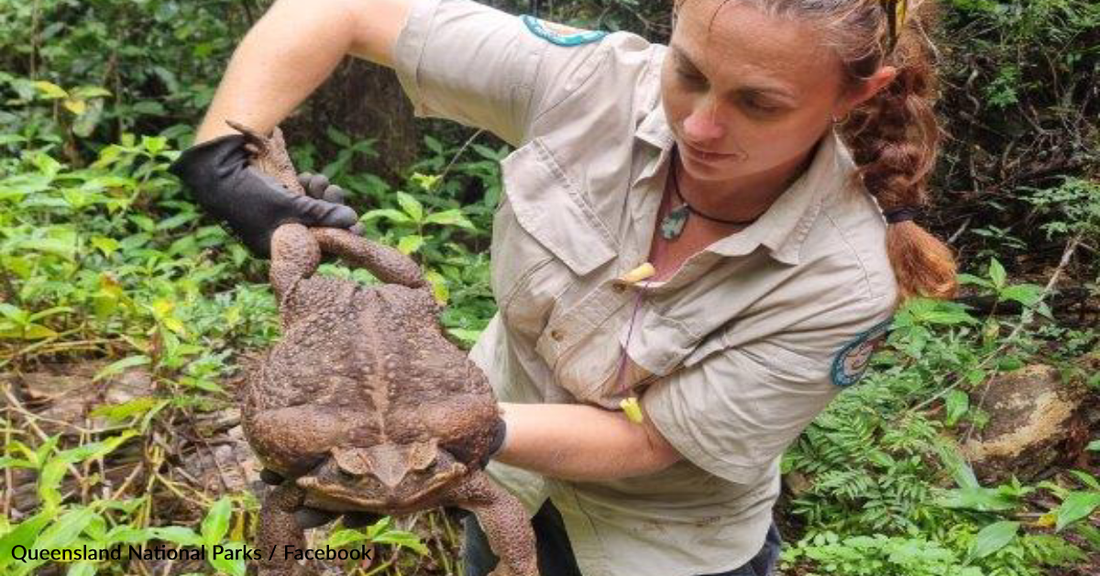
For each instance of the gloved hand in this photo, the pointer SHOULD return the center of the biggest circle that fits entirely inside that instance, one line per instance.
(308, 517)
(251, 204)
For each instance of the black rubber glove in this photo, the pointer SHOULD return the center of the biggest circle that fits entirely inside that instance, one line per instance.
(308, 517)
(251, 204)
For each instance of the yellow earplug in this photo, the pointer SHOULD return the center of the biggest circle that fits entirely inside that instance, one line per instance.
(638, 274)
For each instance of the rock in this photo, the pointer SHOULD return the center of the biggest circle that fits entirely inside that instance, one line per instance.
(1033, 413)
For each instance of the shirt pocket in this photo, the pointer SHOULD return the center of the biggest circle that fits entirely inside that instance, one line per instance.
(545, 236)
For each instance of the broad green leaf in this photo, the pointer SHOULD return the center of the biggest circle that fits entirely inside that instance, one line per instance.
(387, 213)
(65, 529)
(177, 534)
(105, 245)
(24, 534)
(1026, 294)
(956, 403)
(992, 538)
(50, 91)
(1094, 446)
(1075, 506)
(440, 288)
(216, 523)
(37, 332)
(980, 499)
(411, 206)
(225, 561)
(409, 244)
(453, 217)
(997, 273)
(87, 92)
(402, 539)
(972, 279)
(121, 365)
(345, 537)
(77, 107)
(83, 568)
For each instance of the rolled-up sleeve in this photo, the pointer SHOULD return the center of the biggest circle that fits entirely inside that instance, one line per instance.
(479, 66)
(734, 412)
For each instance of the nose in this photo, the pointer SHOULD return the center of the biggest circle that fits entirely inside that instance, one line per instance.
(703, 124)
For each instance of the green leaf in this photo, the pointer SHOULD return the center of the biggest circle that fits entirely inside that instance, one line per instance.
(980, 499)
(50, 91)
(1094, 446)
(992, 538)
(402, 539)
(409, 244)
(83, 568)
(972, 279)
(453, 217)
(216, 523)
(227, 562)
(1026, 294)
(997, 274)
(1075, 506)
(105, 245)
(388, 213)
(957, 403)
(24, 534)
(345, 537)
(65, 529)
(121, 365)
(177, 534)
(411, 206)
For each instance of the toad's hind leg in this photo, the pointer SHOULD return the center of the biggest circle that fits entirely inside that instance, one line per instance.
(295, 254)
(504, 521)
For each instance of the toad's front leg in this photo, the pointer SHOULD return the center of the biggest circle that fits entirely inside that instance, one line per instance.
(279, 529)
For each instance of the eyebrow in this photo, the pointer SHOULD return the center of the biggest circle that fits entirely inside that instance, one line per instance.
(682, 56)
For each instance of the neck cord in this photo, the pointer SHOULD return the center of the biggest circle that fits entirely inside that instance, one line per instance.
(676, 190)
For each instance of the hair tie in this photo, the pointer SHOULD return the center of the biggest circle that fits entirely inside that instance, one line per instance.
(901, 214)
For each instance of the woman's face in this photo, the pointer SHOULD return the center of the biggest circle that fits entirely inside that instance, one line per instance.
(746, 94)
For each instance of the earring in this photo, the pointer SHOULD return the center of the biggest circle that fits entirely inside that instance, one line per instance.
(842, 119)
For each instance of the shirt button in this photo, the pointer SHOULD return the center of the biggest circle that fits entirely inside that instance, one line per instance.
(557, 334)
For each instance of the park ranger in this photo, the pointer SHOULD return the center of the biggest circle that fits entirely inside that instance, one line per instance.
(699, 244)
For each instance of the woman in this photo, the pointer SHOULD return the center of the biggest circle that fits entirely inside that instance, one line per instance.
(684, 234)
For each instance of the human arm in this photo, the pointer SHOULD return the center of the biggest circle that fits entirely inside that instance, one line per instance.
(581, 442)
(291, 50)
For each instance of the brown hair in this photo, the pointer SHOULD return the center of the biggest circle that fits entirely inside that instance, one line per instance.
(894, 136)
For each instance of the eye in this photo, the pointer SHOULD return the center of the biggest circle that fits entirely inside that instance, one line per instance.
(760, 105)
(691, 78)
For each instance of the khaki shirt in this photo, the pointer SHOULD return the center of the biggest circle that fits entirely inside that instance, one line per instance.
(732, 356)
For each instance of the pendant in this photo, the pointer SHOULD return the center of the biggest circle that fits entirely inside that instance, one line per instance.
(673, 224)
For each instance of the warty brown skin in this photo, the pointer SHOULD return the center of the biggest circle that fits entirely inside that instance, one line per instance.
(364, 404)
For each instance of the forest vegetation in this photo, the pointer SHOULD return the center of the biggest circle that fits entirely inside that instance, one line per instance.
(127, 317)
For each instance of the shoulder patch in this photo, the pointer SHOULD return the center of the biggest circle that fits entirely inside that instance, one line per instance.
(561, 34)
(852, 360)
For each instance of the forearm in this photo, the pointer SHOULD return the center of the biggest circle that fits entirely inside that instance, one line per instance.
(291, 51)
(580, 442)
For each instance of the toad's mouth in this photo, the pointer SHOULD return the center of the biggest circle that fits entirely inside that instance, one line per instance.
(368, 493)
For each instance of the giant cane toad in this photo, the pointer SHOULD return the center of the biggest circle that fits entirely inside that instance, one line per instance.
(364, 405)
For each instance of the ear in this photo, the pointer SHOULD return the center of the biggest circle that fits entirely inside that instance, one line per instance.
(865, 91)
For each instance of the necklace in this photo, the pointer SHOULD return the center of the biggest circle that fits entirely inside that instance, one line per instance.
(673, 224)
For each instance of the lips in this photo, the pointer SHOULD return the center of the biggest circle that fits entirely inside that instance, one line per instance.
(706, 155)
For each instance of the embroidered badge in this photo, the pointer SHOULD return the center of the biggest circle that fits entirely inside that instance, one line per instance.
(559, 33)
(852, 360)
